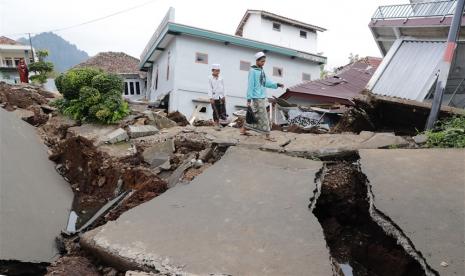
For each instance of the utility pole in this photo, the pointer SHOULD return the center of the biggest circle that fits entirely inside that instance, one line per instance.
(32, 49)
(446, 63)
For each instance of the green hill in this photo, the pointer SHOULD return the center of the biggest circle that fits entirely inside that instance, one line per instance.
(63, 54)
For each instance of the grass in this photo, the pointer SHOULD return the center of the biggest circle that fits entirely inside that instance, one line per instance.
(448, 133)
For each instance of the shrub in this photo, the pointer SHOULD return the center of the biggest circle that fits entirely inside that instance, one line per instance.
(449, 133)
(92, 96)
(107, 82)
(75, 79)
(41, 68)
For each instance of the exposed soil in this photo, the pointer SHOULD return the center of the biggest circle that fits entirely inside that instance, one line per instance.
(22, 96)
(16, 268)
(178, 118)
(352, 236)
(200, 123)
(72, 266)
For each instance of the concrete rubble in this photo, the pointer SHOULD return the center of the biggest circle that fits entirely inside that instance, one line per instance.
(141, 130)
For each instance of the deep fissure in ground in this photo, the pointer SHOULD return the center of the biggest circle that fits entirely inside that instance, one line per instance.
(355, 241)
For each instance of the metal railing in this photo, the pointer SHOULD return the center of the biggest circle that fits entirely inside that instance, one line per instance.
(427, 9)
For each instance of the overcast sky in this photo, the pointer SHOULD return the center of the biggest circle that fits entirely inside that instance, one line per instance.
(346, 21)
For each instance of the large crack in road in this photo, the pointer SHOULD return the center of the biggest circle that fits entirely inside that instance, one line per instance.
(361, 240)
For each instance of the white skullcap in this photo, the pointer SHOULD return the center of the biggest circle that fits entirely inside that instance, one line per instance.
(259, 55)
(215, 67)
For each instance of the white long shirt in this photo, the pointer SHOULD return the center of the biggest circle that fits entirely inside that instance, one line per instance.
(216, 88)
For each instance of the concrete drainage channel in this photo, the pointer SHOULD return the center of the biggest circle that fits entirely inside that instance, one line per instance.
(361, 240)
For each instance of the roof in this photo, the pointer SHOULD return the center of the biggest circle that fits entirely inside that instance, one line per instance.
(409, 73)
(164, 32)
(113, 62)
(8, 41)
(277, 18)
(342, 87)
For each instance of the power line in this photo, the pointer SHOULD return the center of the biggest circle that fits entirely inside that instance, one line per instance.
(90, 21)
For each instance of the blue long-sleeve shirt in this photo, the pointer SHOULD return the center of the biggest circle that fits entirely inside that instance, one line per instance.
(258, 82)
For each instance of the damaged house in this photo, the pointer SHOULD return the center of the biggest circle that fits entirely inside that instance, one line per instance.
(412, 37)
(340, 88)
(123, 65)
(178, 59)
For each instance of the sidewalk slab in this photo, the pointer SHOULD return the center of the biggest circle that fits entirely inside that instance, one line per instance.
(422, 191)
(246, 215)
(34, 199)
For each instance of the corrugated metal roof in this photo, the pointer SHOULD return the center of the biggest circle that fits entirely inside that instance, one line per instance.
(410, 71)
(351, 80)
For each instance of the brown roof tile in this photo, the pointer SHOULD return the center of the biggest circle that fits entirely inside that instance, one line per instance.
(113, 62)
(8, 41)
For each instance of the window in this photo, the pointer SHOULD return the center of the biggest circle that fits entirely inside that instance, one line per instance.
(156, 80)
(201, 58)
(131, 88)
(126, 90)
(137, 88)
(303, 34)
(9, 62)
(168, 67)
(277, 72)
(17, 61)
(244, 66)
(277, 27)
(306, 77)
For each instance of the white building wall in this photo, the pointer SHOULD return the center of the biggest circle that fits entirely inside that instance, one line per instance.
(261, 29)
(192, 78)
(165, 84)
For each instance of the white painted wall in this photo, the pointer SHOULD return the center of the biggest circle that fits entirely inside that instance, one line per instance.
(261, 29)
(192, 78)
(165, 86)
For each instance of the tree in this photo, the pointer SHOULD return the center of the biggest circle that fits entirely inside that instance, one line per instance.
(354, 58)
(41, 68)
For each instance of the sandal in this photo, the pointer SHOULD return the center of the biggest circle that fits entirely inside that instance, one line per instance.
(245, 134)
(271, 139)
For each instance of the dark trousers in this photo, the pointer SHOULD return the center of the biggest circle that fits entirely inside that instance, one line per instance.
(219, 110)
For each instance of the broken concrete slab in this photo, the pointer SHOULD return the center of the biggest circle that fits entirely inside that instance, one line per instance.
(158, 154)
(116, 136)
(93, 132)
(35, 200)
(231, 220)
(420, 139)
(136, 131)
(383, 140)
(160, 121)
(422, 191)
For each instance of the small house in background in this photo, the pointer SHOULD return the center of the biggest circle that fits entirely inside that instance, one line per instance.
(412, 38)
(341, 88)
(124, 65)
(11, 52)
(178, 59)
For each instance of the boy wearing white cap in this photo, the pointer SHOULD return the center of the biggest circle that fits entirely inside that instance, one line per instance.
(217, 95)
(257, 98)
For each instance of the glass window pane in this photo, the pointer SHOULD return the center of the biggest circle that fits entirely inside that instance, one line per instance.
(126, 88)
(201, 58)
(137, 88)
(244, 66)
(131, 88)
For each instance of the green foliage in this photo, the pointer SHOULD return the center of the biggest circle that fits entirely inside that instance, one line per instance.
(449, 133)
(107, 82)
(72, 82)
(42, 68)
(91, 96)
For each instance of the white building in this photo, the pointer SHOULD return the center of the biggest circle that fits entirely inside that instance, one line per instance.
(178, 59)
(10, 54)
